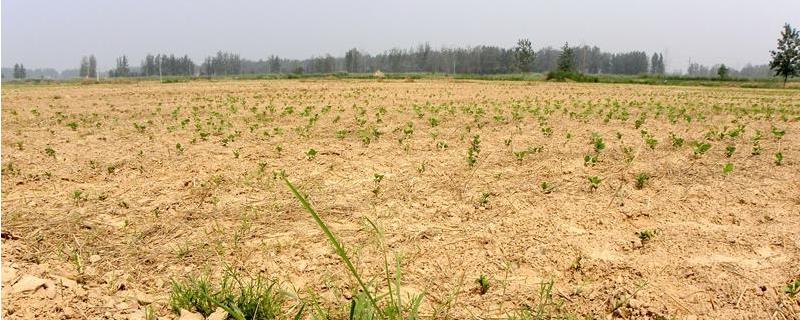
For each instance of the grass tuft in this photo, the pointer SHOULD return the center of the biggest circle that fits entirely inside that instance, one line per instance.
(252, 299)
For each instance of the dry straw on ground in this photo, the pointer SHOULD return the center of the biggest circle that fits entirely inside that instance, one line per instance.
(111, 191)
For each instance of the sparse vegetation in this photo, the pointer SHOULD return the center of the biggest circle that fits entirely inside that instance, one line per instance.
(474, 150)
(701, 148)
(641, 180)
(792, 288)
(311, 154)
(193, 195)
(727, 168)
(239, 296)
(594, 182)
(483, 284)
(547, 187)
(646, 235)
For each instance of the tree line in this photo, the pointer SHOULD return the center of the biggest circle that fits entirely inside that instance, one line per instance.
(162, 64)
(423, 58)
(481, 59)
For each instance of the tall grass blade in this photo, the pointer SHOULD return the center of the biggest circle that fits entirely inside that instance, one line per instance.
(397, 306)
(336, 245)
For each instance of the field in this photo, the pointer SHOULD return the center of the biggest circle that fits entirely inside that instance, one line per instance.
(567, 199)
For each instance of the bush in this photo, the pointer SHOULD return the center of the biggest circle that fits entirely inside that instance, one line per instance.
(574, 76)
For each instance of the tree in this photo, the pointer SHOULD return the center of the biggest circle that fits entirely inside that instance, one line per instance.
(351, 60)
(657, 64)
(224, 63)
(697, 70)
(524, 55)
(422, 55)
(19, 71)
(122, 69)
(786, 60)
(722, 71)
(84, 70)
(274, 64)
(566, 60)
(654, 63)
(149, 66)
(92, 67)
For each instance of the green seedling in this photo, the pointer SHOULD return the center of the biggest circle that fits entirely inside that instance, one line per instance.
(629, 154)
(474, 150)
(728, 168)
(547, 131)
(650, 141)
(262, 167)
(639, 121)
(646, 235)
(733, 133)
(677, 142)
(377, 178)
(792, 288)
(484, 201)
(589, 160)
(547, 188)
(641, 180)
(777, 133)
(311, 154)
(77, 196)
(756, 149)
(50, 152)
(594, 182)
(597, 141)
(729, 150)
(701, 148)
(483, 284)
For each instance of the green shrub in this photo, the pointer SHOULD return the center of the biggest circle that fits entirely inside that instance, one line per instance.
(574, 76)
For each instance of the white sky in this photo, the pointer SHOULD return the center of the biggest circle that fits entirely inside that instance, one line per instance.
(57, 33)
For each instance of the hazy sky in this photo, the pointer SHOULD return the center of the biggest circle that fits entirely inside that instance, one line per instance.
(57, 33)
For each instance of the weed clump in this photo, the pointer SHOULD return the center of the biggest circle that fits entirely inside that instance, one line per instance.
(255, 298)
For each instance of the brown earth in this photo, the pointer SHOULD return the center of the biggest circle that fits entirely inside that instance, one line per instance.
(145, 212)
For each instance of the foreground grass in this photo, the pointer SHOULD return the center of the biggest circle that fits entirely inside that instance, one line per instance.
(242, 298)
(260, 298)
